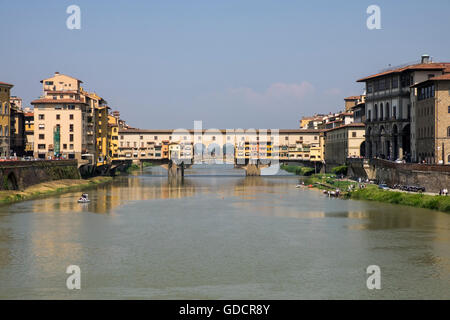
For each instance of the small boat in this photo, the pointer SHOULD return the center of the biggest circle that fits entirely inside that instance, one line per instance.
(298, 186)
(84, 198)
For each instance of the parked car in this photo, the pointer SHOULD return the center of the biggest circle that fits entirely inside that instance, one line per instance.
(383, 186)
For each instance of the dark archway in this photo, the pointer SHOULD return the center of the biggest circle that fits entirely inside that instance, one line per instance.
(406, 142)
(362, 149)
(395, 152)
(369, 152)
(11, 182)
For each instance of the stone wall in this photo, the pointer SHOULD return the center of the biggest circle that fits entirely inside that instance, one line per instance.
(21, 174)
(432, 177)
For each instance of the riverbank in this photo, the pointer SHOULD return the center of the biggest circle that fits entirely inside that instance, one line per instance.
(373, 193)
(50, 188)
(419, 200)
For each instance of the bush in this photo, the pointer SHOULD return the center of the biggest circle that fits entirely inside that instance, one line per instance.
(340, 170)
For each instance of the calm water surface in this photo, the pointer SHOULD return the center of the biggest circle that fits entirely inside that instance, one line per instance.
(220, 235)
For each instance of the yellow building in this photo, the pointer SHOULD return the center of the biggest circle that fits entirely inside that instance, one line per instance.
(5, 120)
(113, 137)
(101, 134)
(29, 132)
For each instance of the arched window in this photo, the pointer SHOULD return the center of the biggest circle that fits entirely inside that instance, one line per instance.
(448, 131)
(6, 108)
(387, 111)
(381, 111)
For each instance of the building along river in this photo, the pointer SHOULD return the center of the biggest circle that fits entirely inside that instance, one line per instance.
(220, 235)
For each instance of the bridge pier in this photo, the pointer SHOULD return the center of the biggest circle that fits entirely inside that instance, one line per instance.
(253, 169)
(175, 170)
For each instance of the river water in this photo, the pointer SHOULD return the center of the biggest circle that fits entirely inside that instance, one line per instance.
(220, 235)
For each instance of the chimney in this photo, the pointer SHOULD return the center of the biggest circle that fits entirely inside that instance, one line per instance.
(425, 58)
(56, 73)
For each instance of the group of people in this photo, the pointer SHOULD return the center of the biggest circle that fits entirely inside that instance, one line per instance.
(443, 192)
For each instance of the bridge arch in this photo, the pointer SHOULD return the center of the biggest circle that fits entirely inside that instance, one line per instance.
(10, 182)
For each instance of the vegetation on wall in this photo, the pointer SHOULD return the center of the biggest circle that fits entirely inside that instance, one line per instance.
(298, 170)
(340, 170)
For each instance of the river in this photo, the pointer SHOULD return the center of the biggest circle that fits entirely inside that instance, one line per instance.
(220, 235)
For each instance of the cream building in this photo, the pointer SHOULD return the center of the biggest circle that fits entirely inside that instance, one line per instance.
(221, 145)
(390, 121)
(432, 114)
(60, 119)
(347, 141)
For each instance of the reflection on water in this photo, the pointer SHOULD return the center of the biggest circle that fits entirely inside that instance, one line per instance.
(219, 234)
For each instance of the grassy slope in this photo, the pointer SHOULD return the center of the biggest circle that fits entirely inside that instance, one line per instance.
(373, 193)
(51, 188)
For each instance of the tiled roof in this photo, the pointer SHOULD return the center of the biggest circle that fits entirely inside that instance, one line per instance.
(420, 66)
(350, 125)
(237, 131)
(6, 84)
(444, 77)
(352, 98)
(57, 101)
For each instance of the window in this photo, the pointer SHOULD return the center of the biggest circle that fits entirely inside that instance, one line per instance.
(41, 136)
(354, 134)
(65, 146)
(395, 83)
(141, 137)
(71, 117)
(41, 117)
(58, 117)
(71, 128)
(448, 109)
(41, 126)
(71, 137)
(48, 83)
(155, 137)
(41, 146)
(448, 131)
(71, 146)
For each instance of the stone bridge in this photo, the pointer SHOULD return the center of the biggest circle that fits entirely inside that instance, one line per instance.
(251, 167)
(17, 175)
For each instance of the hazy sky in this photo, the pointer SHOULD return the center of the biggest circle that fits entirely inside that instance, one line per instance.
(247, 64)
